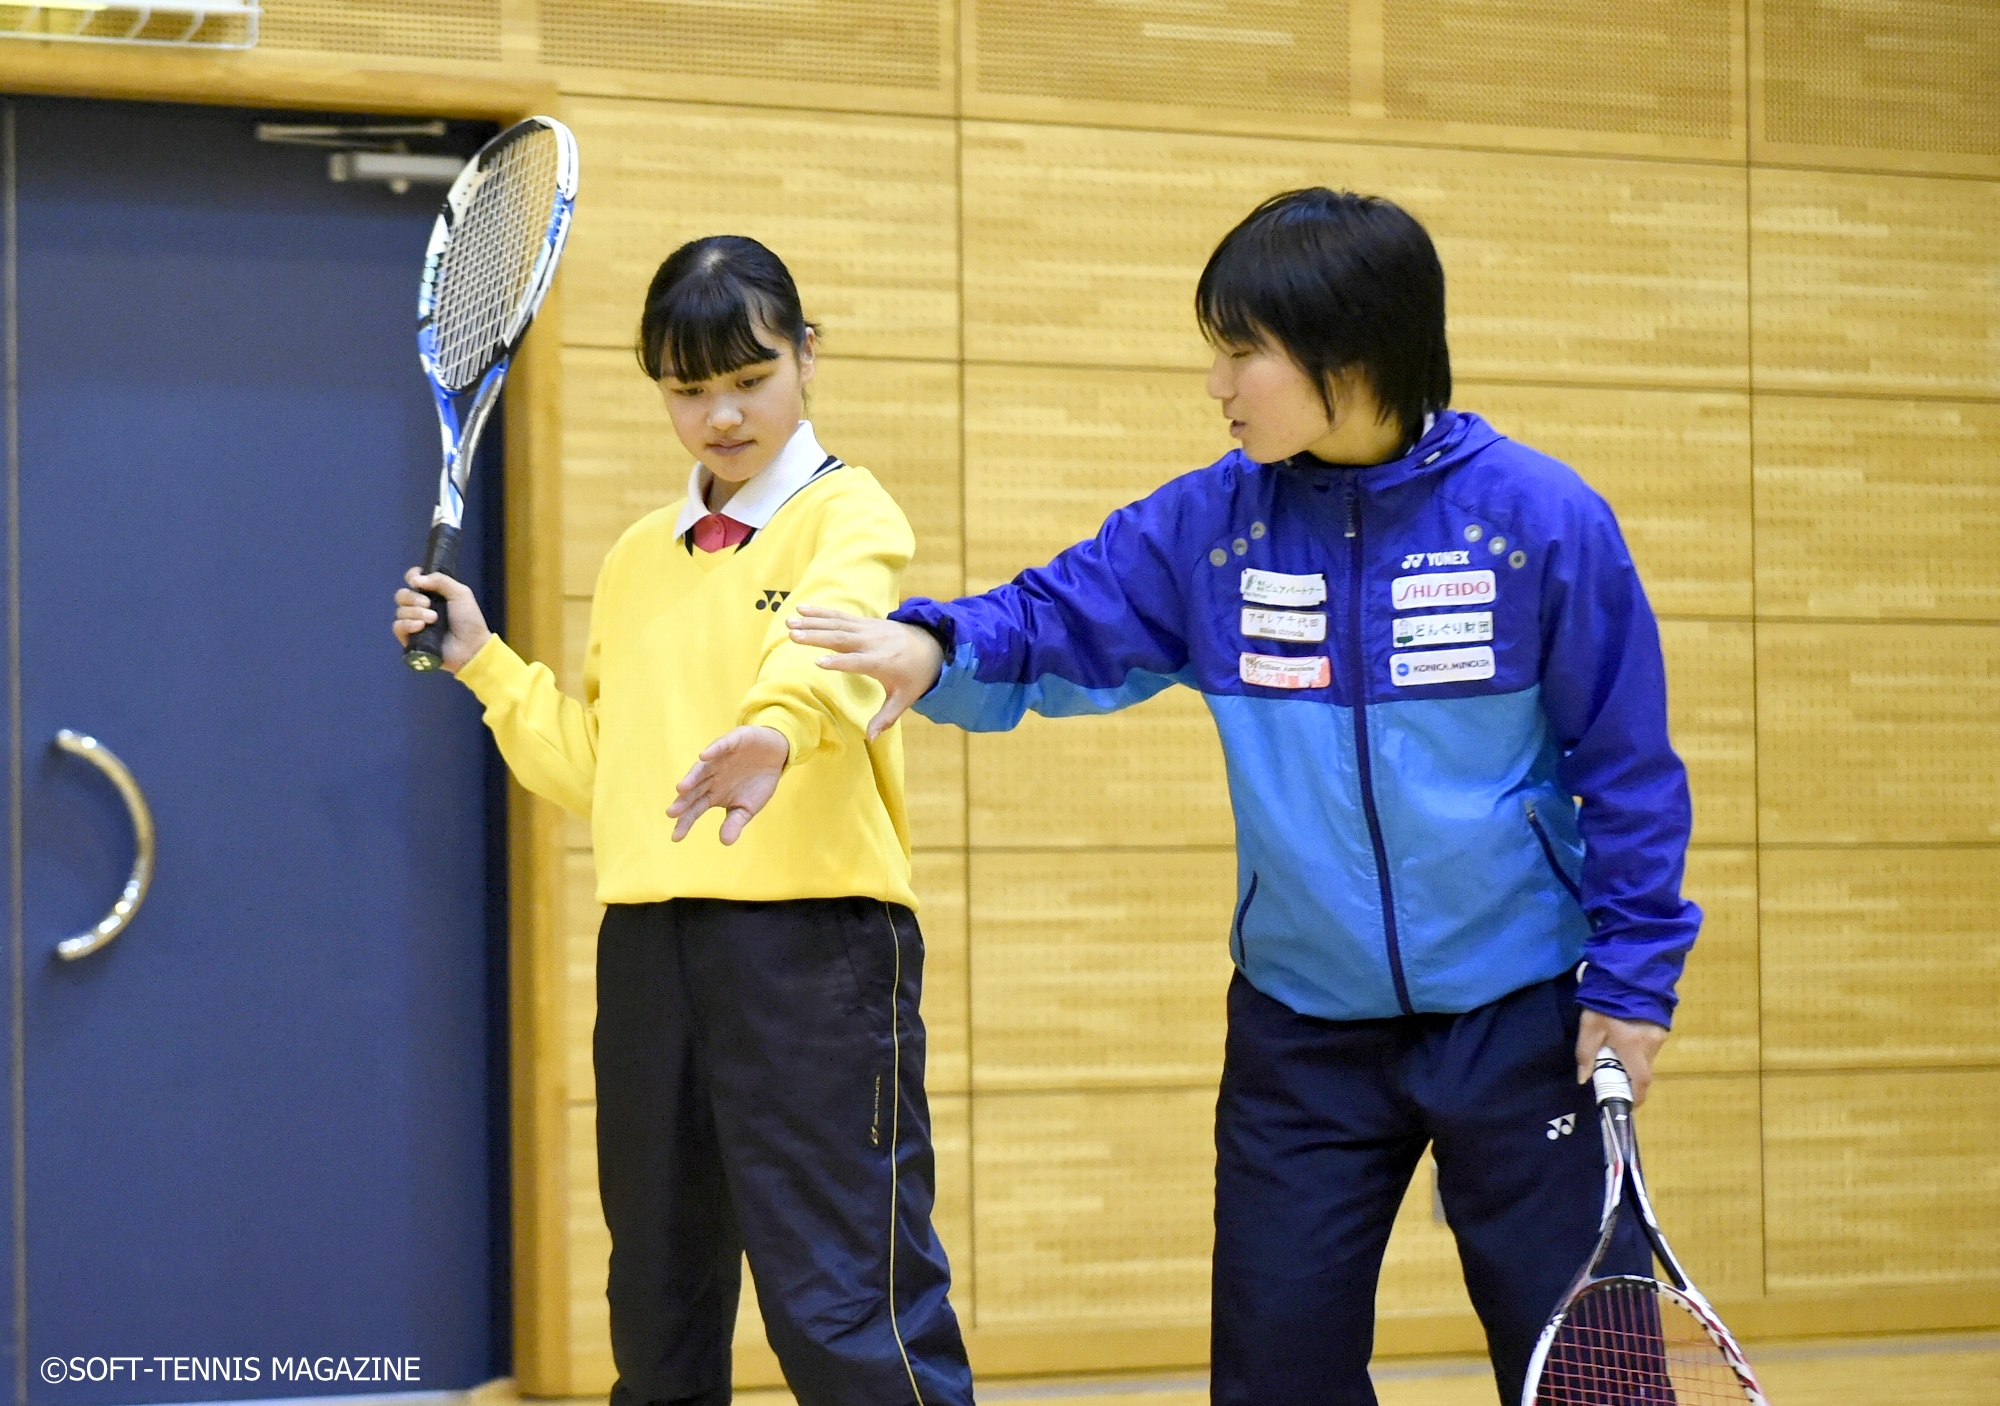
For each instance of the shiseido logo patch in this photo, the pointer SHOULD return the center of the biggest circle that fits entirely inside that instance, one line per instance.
(773, 599)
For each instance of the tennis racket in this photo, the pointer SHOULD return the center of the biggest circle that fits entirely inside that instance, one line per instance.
(1626, 1339)
(492, 255)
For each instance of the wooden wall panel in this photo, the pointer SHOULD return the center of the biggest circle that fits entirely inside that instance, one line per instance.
(1878, 508)
(1145, 777)
(582, 915)
(1700, 1138)
(1674, 465)
(1875, 1180)
(1716, 1023)
(1050, 452)
(1712, 715)
(1082, 247)
(1839, 83)
(1878, 734)
(1093, 1208)
(863, 210)
(897, 419)
(1879, 958)
(1876, 284)
(447, 29)
(1421, 1272)
(1093, 969)
(590, 1246)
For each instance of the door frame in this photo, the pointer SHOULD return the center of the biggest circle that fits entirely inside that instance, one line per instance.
(532, 500)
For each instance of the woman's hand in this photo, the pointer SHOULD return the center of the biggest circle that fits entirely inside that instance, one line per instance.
(738, 772)
(906, 661)
(1635, 1042)
(467, 634)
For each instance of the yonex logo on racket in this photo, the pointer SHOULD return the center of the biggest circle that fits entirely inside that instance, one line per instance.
(1561, 1127)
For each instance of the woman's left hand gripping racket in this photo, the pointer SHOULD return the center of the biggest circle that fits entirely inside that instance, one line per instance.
(492, 256)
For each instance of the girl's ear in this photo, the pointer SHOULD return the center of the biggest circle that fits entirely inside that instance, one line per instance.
(808, 356)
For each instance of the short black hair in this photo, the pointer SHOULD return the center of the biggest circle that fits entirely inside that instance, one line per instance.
(702, 310)
(1339, 281)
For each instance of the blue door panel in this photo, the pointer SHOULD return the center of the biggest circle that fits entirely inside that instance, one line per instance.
(257, 1124)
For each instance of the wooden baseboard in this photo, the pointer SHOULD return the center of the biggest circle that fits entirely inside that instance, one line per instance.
(1019, 1352)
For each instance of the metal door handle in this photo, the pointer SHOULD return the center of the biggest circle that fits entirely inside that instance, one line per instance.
(127, 907)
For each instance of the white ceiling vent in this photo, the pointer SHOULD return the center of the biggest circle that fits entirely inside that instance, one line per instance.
(197, 24)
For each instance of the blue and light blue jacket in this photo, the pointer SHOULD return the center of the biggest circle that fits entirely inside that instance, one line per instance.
(1415, 667)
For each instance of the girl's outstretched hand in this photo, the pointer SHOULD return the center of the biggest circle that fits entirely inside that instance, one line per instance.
(739, 773)
(906, 661)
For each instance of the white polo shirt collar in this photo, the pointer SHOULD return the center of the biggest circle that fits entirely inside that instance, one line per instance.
(757, 502)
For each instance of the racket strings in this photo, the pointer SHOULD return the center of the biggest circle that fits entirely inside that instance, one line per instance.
(1625, 1344)
(488, 267)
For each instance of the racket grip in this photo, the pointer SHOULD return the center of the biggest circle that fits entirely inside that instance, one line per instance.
(1609, 1079)
(424, 651)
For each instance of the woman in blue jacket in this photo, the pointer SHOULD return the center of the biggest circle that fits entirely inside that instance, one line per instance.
(1422, 643)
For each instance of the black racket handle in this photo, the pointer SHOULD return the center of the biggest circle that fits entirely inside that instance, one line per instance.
(424, 651)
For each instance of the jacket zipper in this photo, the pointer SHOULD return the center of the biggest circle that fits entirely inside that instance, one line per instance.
(1242, 909)
(1549, 853)
(1356, 577)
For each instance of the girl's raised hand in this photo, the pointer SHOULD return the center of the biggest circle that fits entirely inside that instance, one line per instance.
(468, 633)
(738, 773)
(906, 661)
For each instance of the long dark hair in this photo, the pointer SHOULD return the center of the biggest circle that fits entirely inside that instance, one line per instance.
(702, 310)
(1339, 281)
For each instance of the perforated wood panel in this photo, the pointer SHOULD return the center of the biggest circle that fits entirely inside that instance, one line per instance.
(448, 29)
(1675, 466)
(863, 210)
(877, 43)
(940, 881)
(1083, 247)
(1712, 718)
(592, 1371)
(1699, 1141)
(1878, 284)
(1878, 734)
(1878, 508)
(1269, 56)
(1145, 777)
(1880, 958)
(1919, 75)
(1659, 67)
(1092, 970)
(1051, 452)
(1094, 1208)
(1716, 1024)
(1879, 1180)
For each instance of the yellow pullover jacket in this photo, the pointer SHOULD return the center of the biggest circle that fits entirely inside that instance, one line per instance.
(685, 645)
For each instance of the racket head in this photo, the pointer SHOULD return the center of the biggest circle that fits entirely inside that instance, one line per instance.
(494, 250)
(1626, 1340)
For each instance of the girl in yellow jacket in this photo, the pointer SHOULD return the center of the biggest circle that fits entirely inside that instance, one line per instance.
(758, 1049)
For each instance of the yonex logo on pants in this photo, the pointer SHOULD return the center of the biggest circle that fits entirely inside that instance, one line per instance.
(1561, 1127)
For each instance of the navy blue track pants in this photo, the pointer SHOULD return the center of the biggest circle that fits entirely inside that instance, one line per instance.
(760, 1087)
(1319, 1127)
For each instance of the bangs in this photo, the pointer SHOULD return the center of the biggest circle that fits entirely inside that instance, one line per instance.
(707, 328)
(1233, 305)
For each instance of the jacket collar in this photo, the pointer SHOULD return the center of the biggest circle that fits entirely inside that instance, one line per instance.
(1449, 439)
(757, 502)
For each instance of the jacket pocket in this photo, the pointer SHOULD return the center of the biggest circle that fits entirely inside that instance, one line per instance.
(1549, 853)
(1242, 911)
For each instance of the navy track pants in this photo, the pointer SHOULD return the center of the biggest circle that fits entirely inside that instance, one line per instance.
(760, 1087)
(1318, 1128)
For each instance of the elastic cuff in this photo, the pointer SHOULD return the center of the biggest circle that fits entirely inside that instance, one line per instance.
(781, 721)
(492, 667)
(1622, 1002)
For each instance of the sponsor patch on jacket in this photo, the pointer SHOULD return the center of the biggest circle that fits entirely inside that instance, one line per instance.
(1424, 631)
(1413, 560)
(1441, 666)
(1443, 588)
(1276, 588)
(1299, 626)
(1277, 671)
